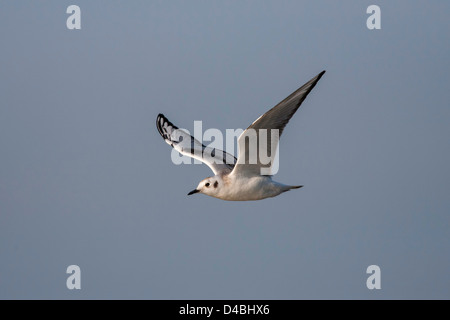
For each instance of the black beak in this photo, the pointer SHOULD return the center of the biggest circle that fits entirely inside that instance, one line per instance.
(193, 191)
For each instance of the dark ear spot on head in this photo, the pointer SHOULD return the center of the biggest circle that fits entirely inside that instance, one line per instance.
(216, 184)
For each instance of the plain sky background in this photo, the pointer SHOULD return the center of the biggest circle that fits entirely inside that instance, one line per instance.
(86, 179)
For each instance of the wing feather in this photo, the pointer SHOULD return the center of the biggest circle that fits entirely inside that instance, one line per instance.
(276, 118)
(218, 160)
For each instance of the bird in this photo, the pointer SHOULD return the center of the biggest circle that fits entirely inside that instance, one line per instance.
(235, 179)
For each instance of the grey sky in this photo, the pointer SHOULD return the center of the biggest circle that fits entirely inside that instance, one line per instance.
(86, 179)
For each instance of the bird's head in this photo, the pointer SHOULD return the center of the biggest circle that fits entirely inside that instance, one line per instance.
(209, 186)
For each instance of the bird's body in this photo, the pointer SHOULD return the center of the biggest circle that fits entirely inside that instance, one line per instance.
(248, 177)
(233, 187)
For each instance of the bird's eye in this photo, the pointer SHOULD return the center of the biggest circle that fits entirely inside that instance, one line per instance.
(207, 184)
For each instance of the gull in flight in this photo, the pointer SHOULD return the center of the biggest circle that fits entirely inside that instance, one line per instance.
(235, 179)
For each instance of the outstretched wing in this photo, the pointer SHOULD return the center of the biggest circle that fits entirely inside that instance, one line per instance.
(219, 161)
(276, 118)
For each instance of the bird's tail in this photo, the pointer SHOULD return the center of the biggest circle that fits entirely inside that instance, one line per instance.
(287, 188)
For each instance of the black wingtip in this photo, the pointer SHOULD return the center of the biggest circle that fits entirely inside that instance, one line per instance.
(321, 74)
(161, 121)
(158, 124)
(159, 117)
(312, 83)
